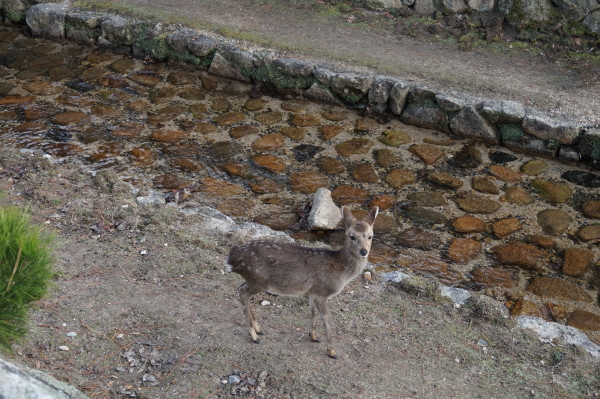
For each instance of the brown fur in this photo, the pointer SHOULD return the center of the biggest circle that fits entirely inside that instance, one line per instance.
(290, 269)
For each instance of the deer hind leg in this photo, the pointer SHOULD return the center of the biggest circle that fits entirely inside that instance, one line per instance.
(321, 305)
(313, 321)
(253, 328)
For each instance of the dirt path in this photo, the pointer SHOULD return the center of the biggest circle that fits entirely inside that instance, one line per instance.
(530, 79)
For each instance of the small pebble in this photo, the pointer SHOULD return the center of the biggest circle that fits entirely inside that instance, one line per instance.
(143, 252)
(367, 276)
(265, 303)
(71, 334)
(120, 336)
(234, 379)
(63, 348)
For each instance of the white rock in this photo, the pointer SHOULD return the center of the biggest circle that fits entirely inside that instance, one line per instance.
(71, 334)
(63, 348)
(265, 303)
(394, 277)
(458, 295)
(155, 198)
(324, 215)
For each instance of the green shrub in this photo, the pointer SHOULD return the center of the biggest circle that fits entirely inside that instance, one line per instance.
(26, 262)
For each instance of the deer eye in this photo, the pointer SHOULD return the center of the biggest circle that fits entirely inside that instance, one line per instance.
(370, 237)
(352, 238)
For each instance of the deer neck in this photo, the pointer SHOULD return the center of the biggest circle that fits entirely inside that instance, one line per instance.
(352, 264)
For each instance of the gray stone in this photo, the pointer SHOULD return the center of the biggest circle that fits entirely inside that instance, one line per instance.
(568, 154)
(450, 103)
(408, 2)
(502, 111)
(531, 145)
(253, 231)
(399, 97)
(119, 30)
(424, 7)
(202, 45)
(589, 147)
(15, 10)
(549, 129)
(455, 6)
(457, 295)
(379, 93)
(294, 67)
(264, 58)
(319, 93)
(481, 5)
(192, 41)
(212, 221)
(47, 20)
(468, 123)
(242, 59)
(549, 332)
(389, 3)
(323, 76)
(554, 221)
(423, 111)
(577, 9)
(531, 11)
(83, 27)
(324, 214)
(25, 383)
(395, 276)
(154, 198)
(221, 67)
(351, 88)
(592, 21)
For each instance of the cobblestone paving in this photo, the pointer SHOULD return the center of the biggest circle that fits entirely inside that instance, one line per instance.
(521, 229)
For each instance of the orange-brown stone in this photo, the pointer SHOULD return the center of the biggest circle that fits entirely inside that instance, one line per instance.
(365, 125)
(505, 174)
(398, 178)
(230, 118)
(295, 133)
(383, 201)
(505, 227)
(263, 185)
(552, 287)
(330, 131)
(184, 164)
(242, 131)
(308, 182)
(304, 120)
(142, 156)
(345, 194)
(463, 250)
(269, 118)
(488, 277)
(365, 173)
(270, 162)
(269, 142)
(330, 165)
(354, 146)
(168, 136)
(72, 117)
(577, 261)
(469, 224)
(221, 188)
(584, 320)
(427, 153)
(520, 254)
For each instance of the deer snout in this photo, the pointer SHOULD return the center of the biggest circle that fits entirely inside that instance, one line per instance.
(363, 252)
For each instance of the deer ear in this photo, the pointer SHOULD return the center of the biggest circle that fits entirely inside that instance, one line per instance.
(370, 218)
(349, 218)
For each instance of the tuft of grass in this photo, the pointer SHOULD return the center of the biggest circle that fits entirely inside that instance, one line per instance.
(26, 268)
(511, 132)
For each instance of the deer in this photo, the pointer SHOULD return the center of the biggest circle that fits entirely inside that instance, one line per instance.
(291, 269)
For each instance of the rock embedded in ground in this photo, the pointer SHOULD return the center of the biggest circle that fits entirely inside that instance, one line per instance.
(463, 250)
(505, 227)
(324, 214)
(304, 120)
(354, 146)
(383, 201)
(584, 320)
(476, 204)
(591, 209)
(427, 153)
(280, 221)
(419, 215)
(445, 180)
(468, 157)
(518, 195)
(365, 125)
(505, 174)
(541, 241)
(386, 157)
(419, 238)
(577, 261)
(520, 254)
(484, 185)
(242, 131)
(346, 194)
(551, 191)
(307, 182)
(398, 178)
(441, 270)
(365, 173)
(535, 167)
(427, 198)
(554, 221)
(556, 288)
(270, 162)
(269, 142)
(330, 131)
(220, 188)
(490, 277)
(590, 232)
(395, 138)
(469, 224)
(330, 165)
(269, 118)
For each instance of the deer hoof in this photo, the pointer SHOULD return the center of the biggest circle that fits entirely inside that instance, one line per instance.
(314, 339)
(260, 332)
(332, 354)
(256, 341)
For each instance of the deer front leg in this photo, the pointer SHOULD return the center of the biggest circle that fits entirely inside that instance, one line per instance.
(313, 321)
(253, 327)
(321, 305)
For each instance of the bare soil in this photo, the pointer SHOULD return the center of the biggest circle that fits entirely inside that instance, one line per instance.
(167, 323)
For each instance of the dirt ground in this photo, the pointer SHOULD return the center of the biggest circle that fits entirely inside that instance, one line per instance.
(538, 76)
(167, 324)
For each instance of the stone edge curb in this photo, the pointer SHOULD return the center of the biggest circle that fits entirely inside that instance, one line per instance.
(495, 122)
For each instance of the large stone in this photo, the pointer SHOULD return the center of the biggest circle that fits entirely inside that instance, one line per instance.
(520, 254)
(424, 216)
(423, 111)
(351, 88)
(324, 214)
(455, 6)
(534, 167)
(119, 30)
(556, 288)
(470, 124)
(354, 146)
(308, 182)
(48, 19)
(445, 180)
(419, 238)
(269, 142)
(591, 209)
(222, 67)
(551, 191)
(398, 178)
(468, 157)
(546, 129)
(346, 194)
(518, 195)
(501, 112)
(322, 94)
(220, 188)
(484, 185)
(505, 227)
(505, 174)
(476, 204)
(584, 320)
(379, 93)
(577, 261)
(83, 27)
(399, 97)
(365, 173)
(25, 383)
(427, 153)
(427, 198)
(588, 233)
(528, 11)
(489, 277)
(554, 221)
(463, 250)
(451, 103)
(469, 224)
(592, 21)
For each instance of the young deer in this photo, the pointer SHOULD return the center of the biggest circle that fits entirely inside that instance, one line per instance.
(290, 269)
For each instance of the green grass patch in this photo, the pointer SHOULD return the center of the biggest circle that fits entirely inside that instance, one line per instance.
(26, 262)
(511, 132)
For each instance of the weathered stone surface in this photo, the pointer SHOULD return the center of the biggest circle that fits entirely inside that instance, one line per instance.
(221, 188)
(552, 287)
(270, 162)
(468, 123)
(505, 227)
(43, 88)
(345, 194)
(330, 166)
(398, 178)
(235, 207)
(505, 174)
(383, 201)
(584, 320)
(47, 19)
(548, 129)
(365, 125)
(551, 191)
(141, 156)
(307, 182)
(277, 220)
(463, 250)
(501, 112)
(168, 136)
(324, 214)
(379, 93)
(71, 117)
(263, 185)
(423, 111)
(469, 224)
(473, 203)
(293, 132)
(427, 198)
(468, 157)
(243, 131)
(222, 67)
(490, 277)
(351, 88)
(450, 103)
(484, 185)
(554, 221)
(269, 142)
(424, 216)
(455, 6)
(445, 180)
(386, 157)
(437, 268)
(518, 195)
(144, 80)
(330, 131)
(591, 232)
(591, 209)
(577, 261)
(365, 173)
(184, 164)
(38, 111)
(269, 118)
(170, 182)
(395, 138)
(419, 238)
(427, 153)
(230, 118)
(321, 94)
(354, 146)
(535, 167)
(520, 254)
(399, 97)
(119, 30)
(541, 241)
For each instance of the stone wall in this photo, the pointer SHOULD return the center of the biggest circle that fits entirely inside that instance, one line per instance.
(496, 122)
